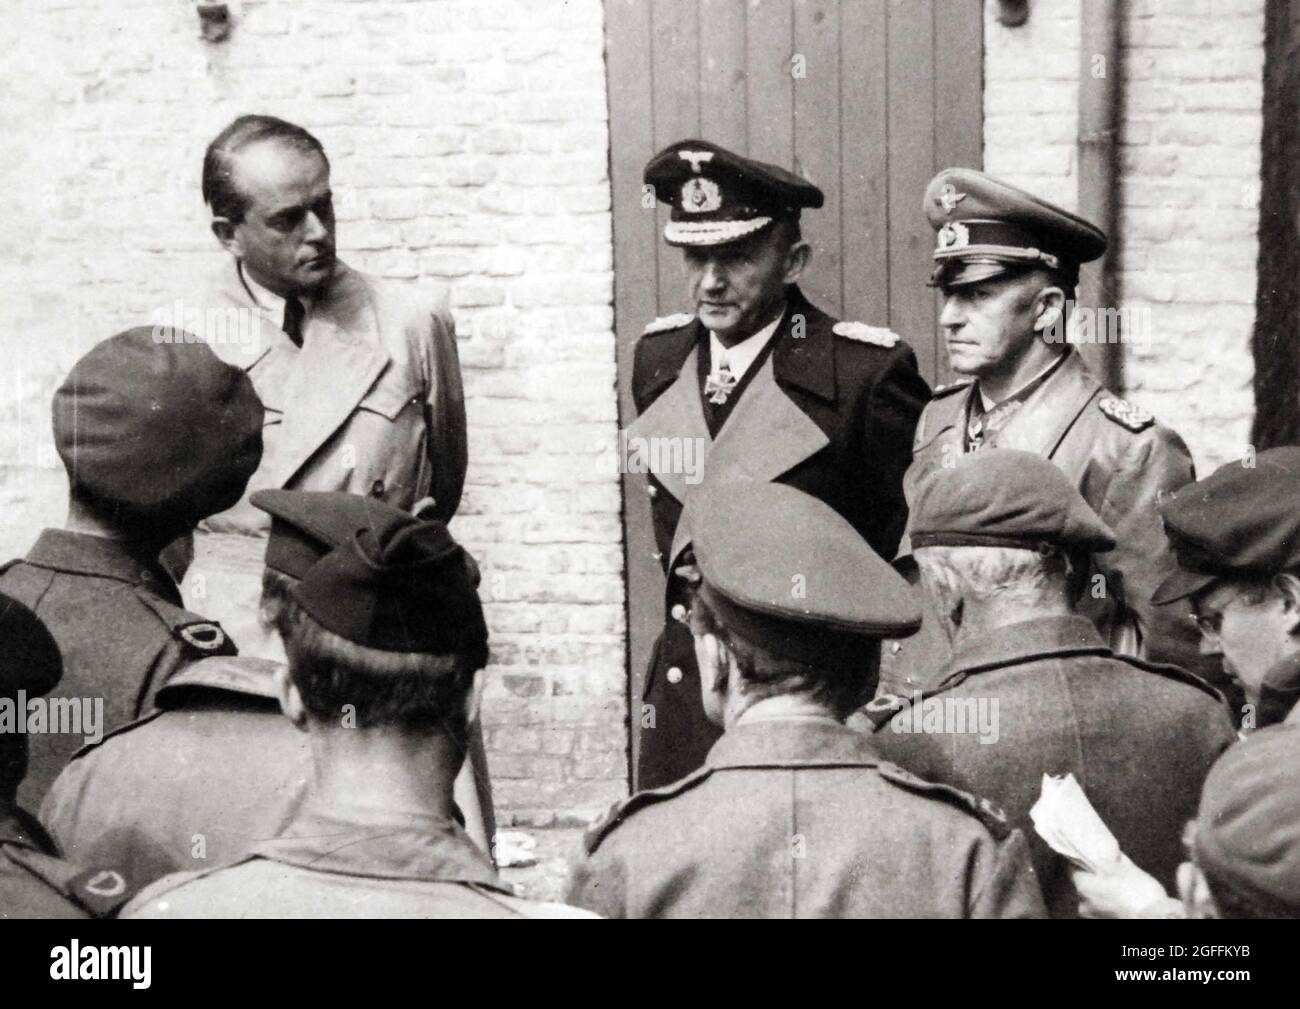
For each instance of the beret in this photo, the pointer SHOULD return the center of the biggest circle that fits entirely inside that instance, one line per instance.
(1002, 497)
(30, 659)
(404, 587)
(1247, 837)
(787, 572)
(1239, 522)
(718, 196)
(987, 227)
(158, 427)
(307, 525)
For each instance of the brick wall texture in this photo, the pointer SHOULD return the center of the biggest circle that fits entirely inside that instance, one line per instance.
(469, 145)
(1189, 188)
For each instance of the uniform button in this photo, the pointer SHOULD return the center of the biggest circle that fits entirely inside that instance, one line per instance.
(674, 675)
(678, 612)
(652, 490)
(657, 555)
(894, 646)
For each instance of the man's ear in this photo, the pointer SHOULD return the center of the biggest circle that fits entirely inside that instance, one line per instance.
(286, 693)
(1288, 587)
(474, 698)
(796, 261)
(227, 233)
(1051, 309)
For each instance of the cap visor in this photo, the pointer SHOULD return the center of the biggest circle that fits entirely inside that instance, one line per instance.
(955, 273)
(1179, 585)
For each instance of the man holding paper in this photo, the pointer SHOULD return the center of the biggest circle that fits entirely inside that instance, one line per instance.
(1002, 540)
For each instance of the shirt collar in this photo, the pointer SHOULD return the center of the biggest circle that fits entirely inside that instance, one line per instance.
(84, 554)
(359, 841)
(742, 355)
(1029, 640)
(796, 741)
(268, 299)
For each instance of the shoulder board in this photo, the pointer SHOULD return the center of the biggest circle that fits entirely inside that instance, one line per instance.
(879, 336)
(1125, 414)
(101, 890)
(939, 391)
(1173, 673)
(240, 674)
(883, 707)
(199, 636)
(666, 322)
(135, 723)
(987, 812)
(621, 810)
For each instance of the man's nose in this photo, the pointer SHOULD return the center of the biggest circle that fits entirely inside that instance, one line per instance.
(952, 316)
(713, 276)
(314, 229)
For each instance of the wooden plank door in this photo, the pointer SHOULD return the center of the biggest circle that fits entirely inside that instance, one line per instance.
(867, 98)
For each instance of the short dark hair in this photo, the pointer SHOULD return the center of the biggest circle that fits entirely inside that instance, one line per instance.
(219, 190)
(415, 691)
(842, 688)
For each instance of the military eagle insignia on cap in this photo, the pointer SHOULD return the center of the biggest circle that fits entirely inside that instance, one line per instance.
(878, 336)
(667, 322)
(948, 197)
(1126, 414)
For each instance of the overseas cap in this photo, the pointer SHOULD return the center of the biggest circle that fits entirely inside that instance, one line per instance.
(1248, 828)
(987, 228)
(1239, 522)
(1002, 497)
(787, 572)
(29, 657)
(406, 587)
(307, 525)
(718, 197)
(158, 427)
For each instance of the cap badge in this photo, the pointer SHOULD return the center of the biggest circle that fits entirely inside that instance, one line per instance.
(949, 197)
(954, 235)
(700, 195)
(696, 158)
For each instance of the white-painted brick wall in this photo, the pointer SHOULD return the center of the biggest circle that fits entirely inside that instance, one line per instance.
(1189, 188)
(469, 145)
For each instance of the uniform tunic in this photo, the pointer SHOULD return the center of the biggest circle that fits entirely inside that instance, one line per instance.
(371, 403)
(1138, 737)
(194, 785)
(121, 629)
(823, 412)
(800, 818)
(1121, 461)
(34, 883)
(348, 862)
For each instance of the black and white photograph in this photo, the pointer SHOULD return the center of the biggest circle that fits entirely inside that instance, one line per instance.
(720, 459)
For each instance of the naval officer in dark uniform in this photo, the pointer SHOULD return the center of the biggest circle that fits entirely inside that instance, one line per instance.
(1007, 264)
(757, 385)
(795, 815)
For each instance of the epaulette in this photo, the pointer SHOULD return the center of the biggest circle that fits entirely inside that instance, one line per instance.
(135, 723)
(987, 812)
(1172, 672)
(666, 322)
(878, 336)
(624, 808)
(100, 890)
(199, 636)
(239, 674)
(939, 391)
(883, 707)
(1125, 414)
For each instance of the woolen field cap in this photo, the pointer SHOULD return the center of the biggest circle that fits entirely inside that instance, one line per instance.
(1242, 521)
(30, 659)
(1002, 497)
(307, 525)
(787, 572)
(158, 427)
(407, 587)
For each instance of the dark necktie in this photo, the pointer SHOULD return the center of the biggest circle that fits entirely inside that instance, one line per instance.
(294, 312)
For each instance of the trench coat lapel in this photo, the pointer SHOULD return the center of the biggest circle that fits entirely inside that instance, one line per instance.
(341, 357)
(676, 417)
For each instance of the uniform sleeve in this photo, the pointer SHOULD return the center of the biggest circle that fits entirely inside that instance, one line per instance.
(1005, 885)
(444, 414)
(897, 400)
(599, 885)
(1151, 466)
